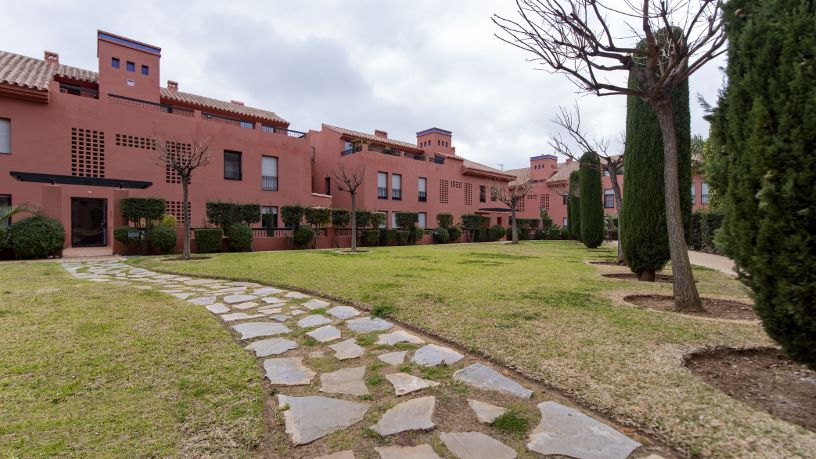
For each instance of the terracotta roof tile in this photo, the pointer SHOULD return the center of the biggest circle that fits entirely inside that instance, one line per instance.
(220, 105)
(32, 73)
(473, 165)
(371, 137)
(563, 172)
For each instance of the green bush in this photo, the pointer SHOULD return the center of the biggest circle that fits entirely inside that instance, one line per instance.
(402, 237)
(318, 217)
(142, 212)
(497, 232)
(249, 213)
(239, 237)
(36, 237)
(592, 213)
(378, 219)
(363, 218)
(291, 216)
(565, 233)
(340, 218)
(455, 233)
(169, 221)
(416, 236)
(221, 214)
(208, 240)
(406, 220)
(4, 238)
(540, 234)
(371, 237)
(444, 220)
(472, 222)
(303, 236)
(162, 238)
(441, 236)
(389, 237)
(704, 225)
(574, 206)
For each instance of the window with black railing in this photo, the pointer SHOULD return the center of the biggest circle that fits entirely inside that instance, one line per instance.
(382, 192)
(423, 196)
(482, 193)
(269, 183)
(76, 90)
(232, 165)
(396, 193)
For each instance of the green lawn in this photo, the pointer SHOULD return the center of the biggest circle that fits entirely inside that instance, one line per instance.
(538, 308)
(92, 370)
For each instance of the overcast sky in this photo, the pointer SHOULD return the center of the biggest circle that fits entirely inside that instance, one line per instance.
(401, 66)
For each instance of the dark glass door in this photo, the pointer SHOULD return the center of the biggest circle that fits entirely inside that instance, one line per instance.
(88, 222)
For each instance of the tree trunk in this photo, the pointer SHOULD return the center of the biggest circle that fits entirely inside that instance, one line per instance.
(513, 229)
(185, 212)
(647, 276)
(613, 177)
(686, 297)
(353, 221)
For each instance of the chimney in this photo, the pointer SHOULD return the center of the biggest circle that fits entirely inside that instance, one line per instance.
(569, 160)
(236, 102)
(172, 85)
(380, 133)
(51, 57)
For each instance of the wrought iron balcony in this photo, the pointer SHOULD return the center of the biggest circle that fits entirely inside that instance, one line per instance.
(269, 183)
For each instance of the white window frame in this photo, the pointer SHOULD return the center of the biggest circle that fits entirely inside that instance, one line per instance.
(5, 135)
(422, 219)
(269, 173)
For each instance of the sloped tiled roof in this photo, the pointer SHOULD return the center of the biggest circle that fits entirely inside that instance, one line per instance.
(521, 174)
(219, 105)
(28, 72)
(473, 165)
(563, 172)
(371, 137)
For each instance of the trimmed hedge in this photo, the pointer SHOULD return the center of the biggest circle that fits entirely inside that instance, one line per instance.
(389, 237)
(704, 223)
(340, 218)
(444, 220)
(240, 237)
(472, 222)
(417, 235)
(441, 236)
(249, 213)
(303, 236)
(455, 233)
(402, 237)
(149, 209)
(162, 239)
(363, 218)
(371, 237)
(208, 240)
(221, 214)
(497, 232)
(291, 216)
(378, 219)
(36, 237)
(318, 217)
(592, 213)
(406, 220)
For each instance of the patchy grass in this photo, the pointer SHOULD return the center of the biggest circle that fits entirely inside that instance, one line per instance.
(512, 422)
(375, 380)
(93, 371)
(538, 308)
(382, 310)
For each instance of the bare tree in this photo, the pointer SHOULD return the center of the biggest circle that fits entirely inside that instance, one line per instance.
(350, 182)
(183, 157)
(511, 197)
(571, 122)
(665, 42)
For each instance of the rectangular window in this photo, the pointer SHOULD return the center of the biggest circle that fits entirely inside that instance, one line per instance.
(247, 124)
(5, 135)
(145, 70)
(115, 62)
(5, 206)
(269, 217)
(382, 185)
(565, 221)
(422, 184)
(565, 198)
(327, 181)
(423, 219)
(693, 193)
(130, 66)
(393, 220)
(482, 193)
(384, 223)
(704, 194)
(232, 165)
(609, 199)
(492, 194)
(396, 186)
(269, 173)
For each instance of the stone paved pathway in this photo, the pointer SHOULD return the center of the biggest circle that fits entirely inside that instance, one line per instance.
(343, 385)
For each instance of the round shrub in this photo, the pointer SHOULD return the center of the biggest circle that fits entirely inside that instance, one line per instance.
(36, 237)
(340, 218)
(240, 238)
(389, 237)
(455, 233)
(441, 236)
(162, 239)
(497, 232)
(169, 221)
(4, 239)
(372, 237)
(417, 235)
(402, 237)
(444, 220)
(303, 236)
(208, 240)
(540, 234)
(291, 216)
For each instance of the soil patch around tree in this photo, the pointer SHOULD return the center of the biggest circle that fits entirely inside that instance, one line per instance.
(714, 307)
(605, 263)
(762, 378)
(632, 276)
(193, 258)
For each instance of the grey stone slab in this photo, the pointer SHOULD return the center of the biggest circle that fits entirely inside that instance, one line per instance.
(240, 298)
(233, 316)
(296, 311)
(280, 317)
(348, 381)
(485, 412)
(264, 291)
(405, 384)
(347, 349)
(269, 310)
(183, 295)
(244, 284)
(255, 329)
(483, 377)
(476, 445)
(406, 452)
(433, 354)
(246, 305)
(296, 295)
(343, 312)
(310, 418)
(368, 325)
(272, 346)
(411, 415)
(393, 358)
(313, 321)
(202, 281)
(347, 454)
(569, 432)
(217, 308)
(203, 300)
(288, 371)
(399, 336)
(314, 303)
(273, 300)
(325, 334)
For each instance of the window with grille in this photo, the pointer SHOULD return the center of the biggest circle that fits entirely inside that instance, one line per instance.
(269, 173)
(382, 185)
(177, 150)
(132, 141)
(482, 193)
(468, 194)
(443, 191)
(422, 185)
(87, 153)
(545, 201)
(609, 199)
(396, 186)
(269, 217)
(232, 165)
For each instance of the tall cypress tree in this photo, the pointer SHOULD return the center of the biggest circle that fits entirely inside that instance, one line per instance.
(643, 216)
(574, 206)
(765, 124)
(592, 215)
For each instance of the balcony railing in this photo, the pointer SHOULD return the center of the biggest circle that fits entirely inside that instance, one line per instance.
(396, 194)
(280, 130)
(351, 150)
(416, 156)
(227, 120)
(151, 105)
(269, 183)
(423, 196)
(79, 90)
(382, 192)
(438, 160)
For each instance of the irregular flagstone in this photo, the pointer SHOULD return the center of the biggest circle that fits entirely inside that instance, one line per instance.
(347, 454)
(244, 284)
(347, 349)
(255, 329)
(343, 312)
(202, 281)
(203, 300)
(296, 295)
(325, 334)
(393, 358)
(296, 311)
(484, 377)
(241, 298)
(569, 432)
(406, 452)
(272, 346)
(433, 354)
(310, 418)
(245, 306)
(183, 295)
(368, 325)
(399, 336)
(280, 317)
(273, 300)
(217, 308)
(313, 321)
(232, 317)
(268, 310)
(405, 384)
(347, 381)
(314, 303)
(476, 445)
(263, 291)
(411, 415)
(288, 371)
(485, 412)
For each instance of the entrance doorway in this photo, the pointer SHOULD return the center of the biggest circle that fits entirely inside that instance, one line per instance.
(88, 222)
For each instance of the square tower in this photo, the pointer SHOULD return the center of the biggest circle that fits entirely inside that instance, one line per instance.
(127, 67)
(435, 140)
